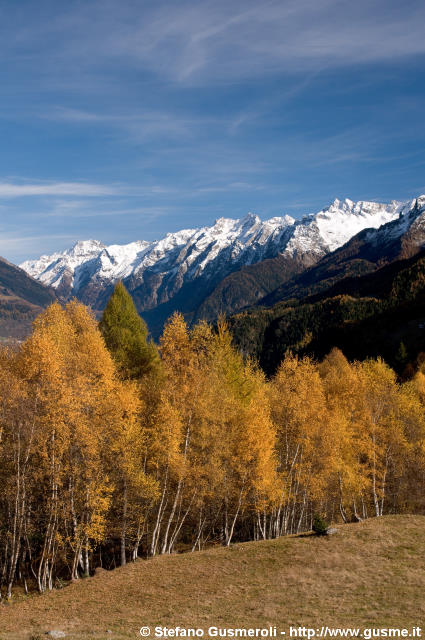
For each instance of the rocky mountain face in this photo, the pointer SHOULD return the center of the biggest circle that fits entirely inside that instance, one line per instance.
(187, 270)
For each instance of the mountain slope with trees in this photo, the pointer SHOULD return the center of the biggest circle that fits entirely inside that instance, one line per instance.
(367, 298)
(379, 314)
(251, 284)
(22, 298)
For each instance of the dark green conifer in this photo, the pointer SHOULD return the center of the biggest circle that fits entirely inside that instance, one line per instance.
(125, 334)
(401, 355)
(320, 525)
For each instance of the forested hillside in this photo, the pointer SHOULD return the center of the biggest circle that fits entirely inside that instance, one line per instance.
(251, 284)
(378, 314)
(110, 450)
(21, 299)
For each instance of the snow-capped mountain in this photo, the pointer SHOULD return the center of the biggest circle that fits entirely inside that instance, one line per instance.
(367, 251)
(405, 235)
(181, 269)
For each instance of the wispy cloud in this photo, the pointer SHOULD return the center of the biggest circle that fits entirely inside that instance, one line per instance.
(220, 40)
(214, 40)
(139, 126)
(129, 119)
(16, 190)
(81, 189)
(102, 208)
(226, 188)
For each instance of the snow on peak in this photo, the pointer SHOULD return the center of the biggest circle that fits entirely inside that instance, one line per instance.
(342, 220)
(287, 219)
(250, 218)
(420, 201)
(85, 248)
(214, 251)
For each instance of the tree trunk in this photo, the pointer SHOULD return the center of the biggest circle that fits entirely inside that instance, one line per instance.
(124, 525)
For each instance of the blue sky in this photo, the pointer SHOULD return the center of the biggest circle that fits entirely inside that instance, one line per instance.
(124, 120)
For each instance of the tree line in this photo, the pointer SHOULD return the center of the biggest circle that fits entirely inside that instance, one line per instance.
(113, 449)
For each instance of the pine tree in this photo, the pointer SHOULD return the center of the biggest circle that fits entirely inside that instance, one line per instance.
(125, 334)
(320, 525)
(401, 355)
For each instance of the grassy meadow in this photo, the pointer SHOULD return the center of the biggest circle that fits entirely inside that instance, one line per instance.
(370, 574)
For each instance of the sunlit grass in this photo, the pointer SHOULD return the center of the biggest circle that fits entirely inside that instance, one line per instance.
(370, 574)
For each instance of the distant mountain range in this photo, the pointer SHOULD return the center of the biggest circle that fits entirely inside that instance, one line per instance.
(352, 275)
(202, 272)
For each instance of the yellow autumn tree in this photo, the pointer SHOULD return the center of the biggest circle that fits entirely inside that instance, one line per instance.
(170, 436)
(84, 411)
(304, 446)
(243, 436)
(18, 474)
(383, 422)
(350, 440)
(410, 485)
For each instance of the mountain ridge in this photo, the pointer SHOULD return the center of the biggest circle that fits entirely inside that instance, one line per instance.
(184, 268)
(366, 251)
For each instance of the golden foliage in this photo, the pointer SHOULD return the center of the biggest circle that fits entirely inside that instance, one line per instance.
(200, 448)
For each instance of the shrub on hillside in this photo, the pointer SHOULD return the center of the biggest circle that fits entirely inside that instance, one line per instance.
(320, 525)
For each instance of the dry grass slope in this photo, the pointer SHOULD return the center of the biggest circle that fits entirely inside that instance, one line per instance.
(371, 574)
